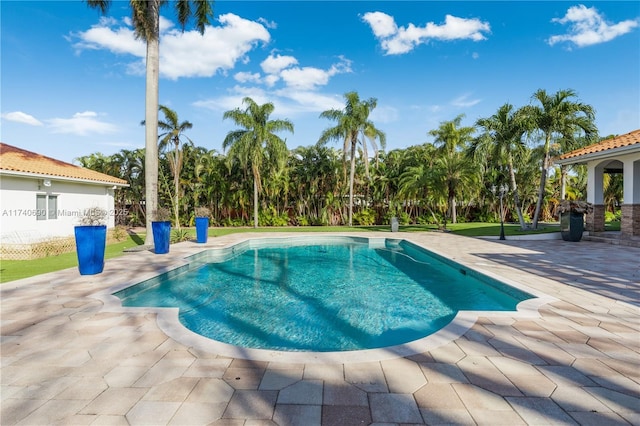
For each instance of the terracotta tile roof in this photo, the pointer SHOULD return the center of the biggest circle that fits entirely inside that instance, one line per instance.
(620, 141)
(14, 159)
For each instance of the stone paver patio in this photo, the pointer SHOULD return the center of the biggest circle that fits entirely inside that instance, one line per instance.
(574, 358)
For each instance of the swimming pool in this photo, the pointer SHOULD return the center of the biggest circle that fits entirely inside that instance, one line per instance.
(321, 294)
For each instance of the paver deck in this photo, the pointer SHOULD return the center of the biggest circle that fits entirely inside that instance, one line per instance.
(68, 358)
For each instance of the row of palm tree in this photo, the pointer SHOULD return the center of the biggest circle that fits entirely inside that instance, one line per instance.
(309, 185)
(559, 119)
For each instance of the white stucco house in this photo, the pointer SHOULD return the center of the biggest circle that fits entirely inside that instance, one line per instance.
(42, 198)
(620, 154)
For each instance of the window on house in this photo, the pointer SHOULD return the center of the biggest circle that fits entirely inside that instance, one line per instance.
(41, 207)
(53, 206)
(46, 207)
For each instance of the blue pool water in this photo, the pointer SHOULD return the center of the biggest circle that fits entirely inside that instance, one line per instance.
(329, 295)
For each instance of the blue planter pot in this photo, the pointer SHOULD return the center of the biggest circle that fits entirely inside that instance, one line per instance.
(571, 226)
(161, 236)
(202, 229)
(90, 244)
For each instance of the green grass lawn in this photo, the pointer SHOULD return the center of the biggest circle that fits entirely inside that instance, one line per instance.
(467, 229)
(493, 229)
(16, 269)
(612, 226)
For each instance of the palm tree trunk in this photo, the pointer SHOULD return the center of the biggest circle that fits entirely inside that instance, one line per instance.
(543, 181)
(452, 206)
(351, 179)
(516, 197)
(563, 182)
(151, 128)
(255, 201)
(176, 181)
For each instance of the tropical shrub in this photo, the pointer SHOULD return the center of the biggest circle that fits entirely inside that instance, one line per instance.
(135, 220)
(302, 221)
(231, 222)
(119, 233)
(430, 219)
(612, 216)
(270, 217)
(365, 217)
(424, 220)
(323, 220)
(404, 218)
(395, 210)
(180, 235)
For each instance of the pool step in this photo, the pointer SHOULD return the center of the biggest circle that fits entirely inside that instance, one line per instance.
(614, 238)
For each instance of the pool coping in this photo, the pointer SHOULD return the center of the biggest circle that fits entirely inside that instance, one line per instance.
(168, 321)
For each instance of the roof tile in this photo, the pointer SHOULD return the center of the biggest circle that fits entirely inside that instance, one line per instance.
(15, 159)
(630, 138)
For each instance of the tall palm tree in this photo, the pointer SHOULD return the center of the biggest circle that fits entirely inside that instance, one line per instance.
(173, 132)
(146, 24)
(560, 120)
(502, 141)
(451, 176)
(413, 177)
(132, 170)
(256, 141)
(453, 139)
(209, 181)
(354, 127)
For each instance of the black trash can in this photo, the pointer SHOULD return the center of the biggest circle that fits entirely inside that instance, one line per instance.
(571, 226)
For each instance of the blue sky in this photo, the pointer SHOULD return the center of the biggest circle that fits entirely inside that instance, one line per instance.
(72, 81)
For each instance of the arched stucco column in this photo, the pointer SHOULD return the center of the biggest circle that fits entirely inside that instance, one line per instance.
(595, 195)
(630, 222)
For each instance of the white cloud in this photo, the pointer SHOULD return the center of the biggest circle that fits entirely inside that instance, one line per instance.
(81, 124)
(384, 114)
(269, 24)
(396, 40)
(21, 117)
(382, 24)
(288, 102)
(284, 67)
(182, 54)
(297, 91)
(588, 27)
(463, 101)
(120, 40)
(305, 78)
(297, 101)
(309, 78)
(234, 99)
(247, 77)
(275, 64)
(272, 79)
(189, 54)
